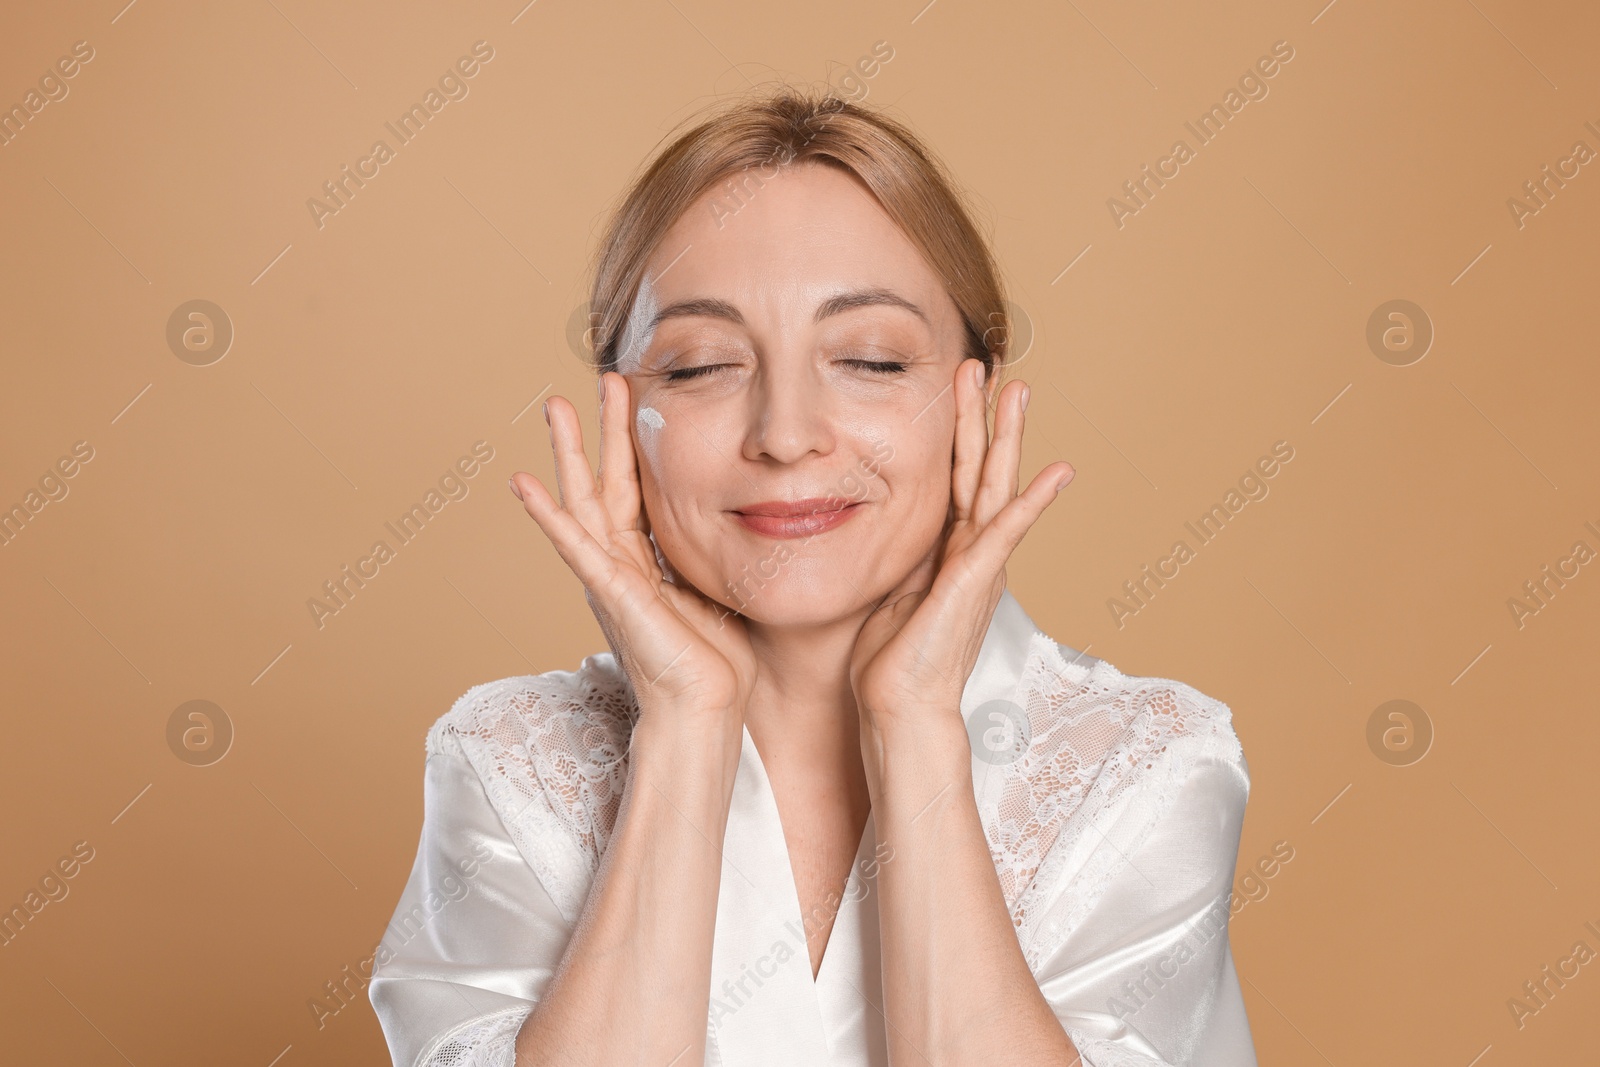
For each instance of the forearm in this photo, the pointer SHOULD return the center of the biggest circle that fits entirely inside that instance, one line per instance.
(643, 942)
(954, 978)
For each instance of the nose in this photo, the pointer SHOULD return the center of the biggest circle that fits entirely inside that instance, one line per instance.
(793, 416)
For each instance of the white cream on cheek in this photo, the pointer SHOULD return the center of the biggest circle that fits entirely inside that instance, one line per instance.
(637, 334)
(647, 427)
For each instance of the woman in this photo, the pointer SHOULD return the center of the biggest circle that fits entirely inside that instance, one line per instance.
(759, 831)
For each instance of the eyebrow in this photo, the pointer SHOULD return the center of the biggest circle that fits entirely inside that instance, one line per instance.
(711, 307)
(857, 298)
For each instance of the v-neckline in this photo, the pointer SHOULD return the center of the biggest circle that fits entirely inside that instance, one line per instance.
(767, 1007)
(858, 857)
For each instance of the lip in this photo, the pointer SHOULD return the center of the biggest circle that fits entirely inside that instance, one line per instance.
(796, 518)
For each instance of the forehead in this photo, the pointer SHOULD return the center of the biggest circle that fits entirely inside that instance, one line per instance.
(801, 235)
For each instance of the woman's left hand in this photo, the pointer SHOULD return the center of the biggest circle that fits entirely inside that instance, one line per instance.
(916, 650)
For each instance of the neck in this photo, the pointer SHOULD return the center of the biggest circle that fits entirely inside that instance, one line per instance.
(802, 710)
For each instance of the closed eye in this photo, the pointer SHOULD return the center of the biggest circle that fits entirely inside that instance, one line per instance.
(873, 366)
(683, 374)
(876, 366)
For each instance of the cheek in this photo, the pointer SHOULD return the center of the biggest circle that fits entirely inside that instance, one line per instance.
(681, 481)
(918, 480)
(911, 451)
(667, 464)
(648, 430)
(904, 463)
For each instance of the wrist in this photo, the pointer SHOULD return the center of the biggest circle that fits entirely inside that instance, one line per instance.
(684, 742)
(916, 743)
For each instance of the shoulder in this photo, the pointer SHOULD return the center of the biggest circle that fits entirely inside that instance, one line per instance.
(1109, 758)
(591, 707)
(551, 753)
(1138, 719)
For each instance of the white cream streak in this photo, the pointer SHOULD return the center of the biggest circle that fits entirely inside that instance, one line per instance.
(639, 329)
(651, 418)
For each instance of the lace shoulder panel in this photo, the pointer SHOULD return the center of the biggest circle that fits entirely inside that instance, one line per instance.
(488, 1041)
(551, 750)
(1097, 738)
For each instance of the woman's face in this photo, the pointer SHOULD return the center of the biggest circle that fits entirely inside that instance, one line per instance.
(793, 406)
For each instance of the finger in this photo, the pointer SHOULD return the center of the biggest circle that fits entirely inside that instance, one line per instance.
(630, 607)
(972, 436)
(574, 477)
(576, 546)
(999, 483)
(1005, 532)
(619, 464)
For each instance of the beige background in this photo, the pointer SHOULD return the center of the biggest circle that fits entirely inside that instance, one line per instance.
(1230, 313)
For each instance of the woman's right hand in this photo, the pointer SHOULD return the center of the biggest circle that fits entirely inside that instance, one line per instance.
(678, 648)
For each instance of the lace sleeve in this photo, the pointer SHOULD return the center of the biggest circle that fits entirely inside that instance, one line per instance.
(551, 751)
(1122, 822)
(1103, 748)
(523, 777)
(1146, 975)
(475, 937)
(490, 1041)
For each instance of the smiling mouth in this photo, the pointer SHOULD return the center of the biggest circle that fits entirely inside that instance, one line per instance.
(796, 518)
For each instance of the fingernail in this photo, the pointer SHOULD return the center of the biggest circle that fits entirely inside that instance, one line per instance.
(1026, 393)
(983, 373)
(546, 409)
(602, 388)
(512, 482)
(1064, 480)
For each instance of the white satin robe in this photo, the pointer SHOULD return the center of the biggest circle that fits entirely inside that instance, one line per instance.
(1115, 835)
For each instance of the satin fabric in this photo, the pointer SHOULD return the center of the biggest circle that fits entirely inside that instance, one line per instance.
(1137, 965)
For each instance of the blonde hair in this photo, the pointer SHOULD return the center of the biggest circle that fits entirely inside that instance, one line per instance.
(743, 146)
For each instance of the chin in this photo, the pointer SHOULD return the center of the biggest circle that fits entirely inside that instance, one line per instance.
(803, 591)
